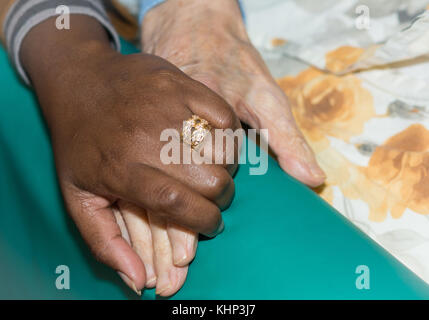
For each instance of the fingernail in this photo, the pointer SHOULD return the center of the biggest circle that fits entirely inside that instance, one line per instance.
(183, 253)
(129, 282)
(150, 271)
(317, 172)
(151, 282)
(180, 254)
(150, 276)
(163, 283)
(310, 161)
(193, 244)
(221, 228)
(218, 231)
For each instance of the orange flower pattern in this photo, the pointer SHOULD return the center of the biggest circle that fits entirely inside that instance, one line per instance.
(326, 106)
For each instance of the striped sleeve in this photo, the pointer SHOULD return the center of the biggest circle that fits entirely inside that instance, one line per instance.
(23, 15)
(4, 8)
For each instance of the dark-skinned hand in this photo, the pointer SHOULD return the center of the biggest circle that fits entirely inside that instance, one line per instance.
(105, 112)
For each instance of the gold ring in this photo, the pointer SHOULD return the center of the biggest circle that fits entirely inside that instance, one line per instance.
(195, 129)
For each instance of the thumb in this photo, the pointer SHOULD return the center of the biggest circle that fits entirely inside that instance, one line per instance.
(270, 110)
(99, 228)
(261, 103)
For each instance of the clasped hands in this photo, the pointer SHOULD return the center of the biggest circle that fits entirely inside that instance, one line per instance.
(106, 111)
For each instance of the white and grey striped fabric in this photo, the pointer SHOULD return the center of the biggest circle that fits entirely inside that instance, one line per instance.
(26, 14)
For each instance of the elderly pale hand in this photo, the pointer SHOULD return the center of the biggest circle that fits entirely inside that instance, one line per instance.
(208, 41)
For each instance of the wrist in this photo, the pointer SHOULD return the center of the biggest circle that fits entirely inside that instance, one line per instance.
(63, 61)
(176, 18)
(63, 50)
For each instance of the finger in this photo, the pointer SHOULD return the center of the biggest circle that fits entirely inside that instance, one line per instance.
(150, 188)
(211, 181)
(216, 147)
(226, 136)
(221, 147)
(170, 278)
(272, 111)
(98, 227)
(184, 243)
(224, 149)
(121, 224)
(139, 231)
(212, 107)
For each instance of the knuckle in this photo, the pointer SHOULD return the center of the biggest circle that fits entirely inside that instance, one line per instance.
(212, 220)
(218, 185)
(227, 118)
(227, 147)
(165, 79)
(170, 197)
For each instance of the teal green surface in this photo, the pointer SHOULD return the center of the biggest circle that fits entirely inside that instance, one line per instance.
(280, 242)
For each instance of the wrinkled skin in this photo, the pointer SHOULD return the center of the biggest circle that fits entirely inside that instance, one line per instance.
(207, 40)
(105, 112)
